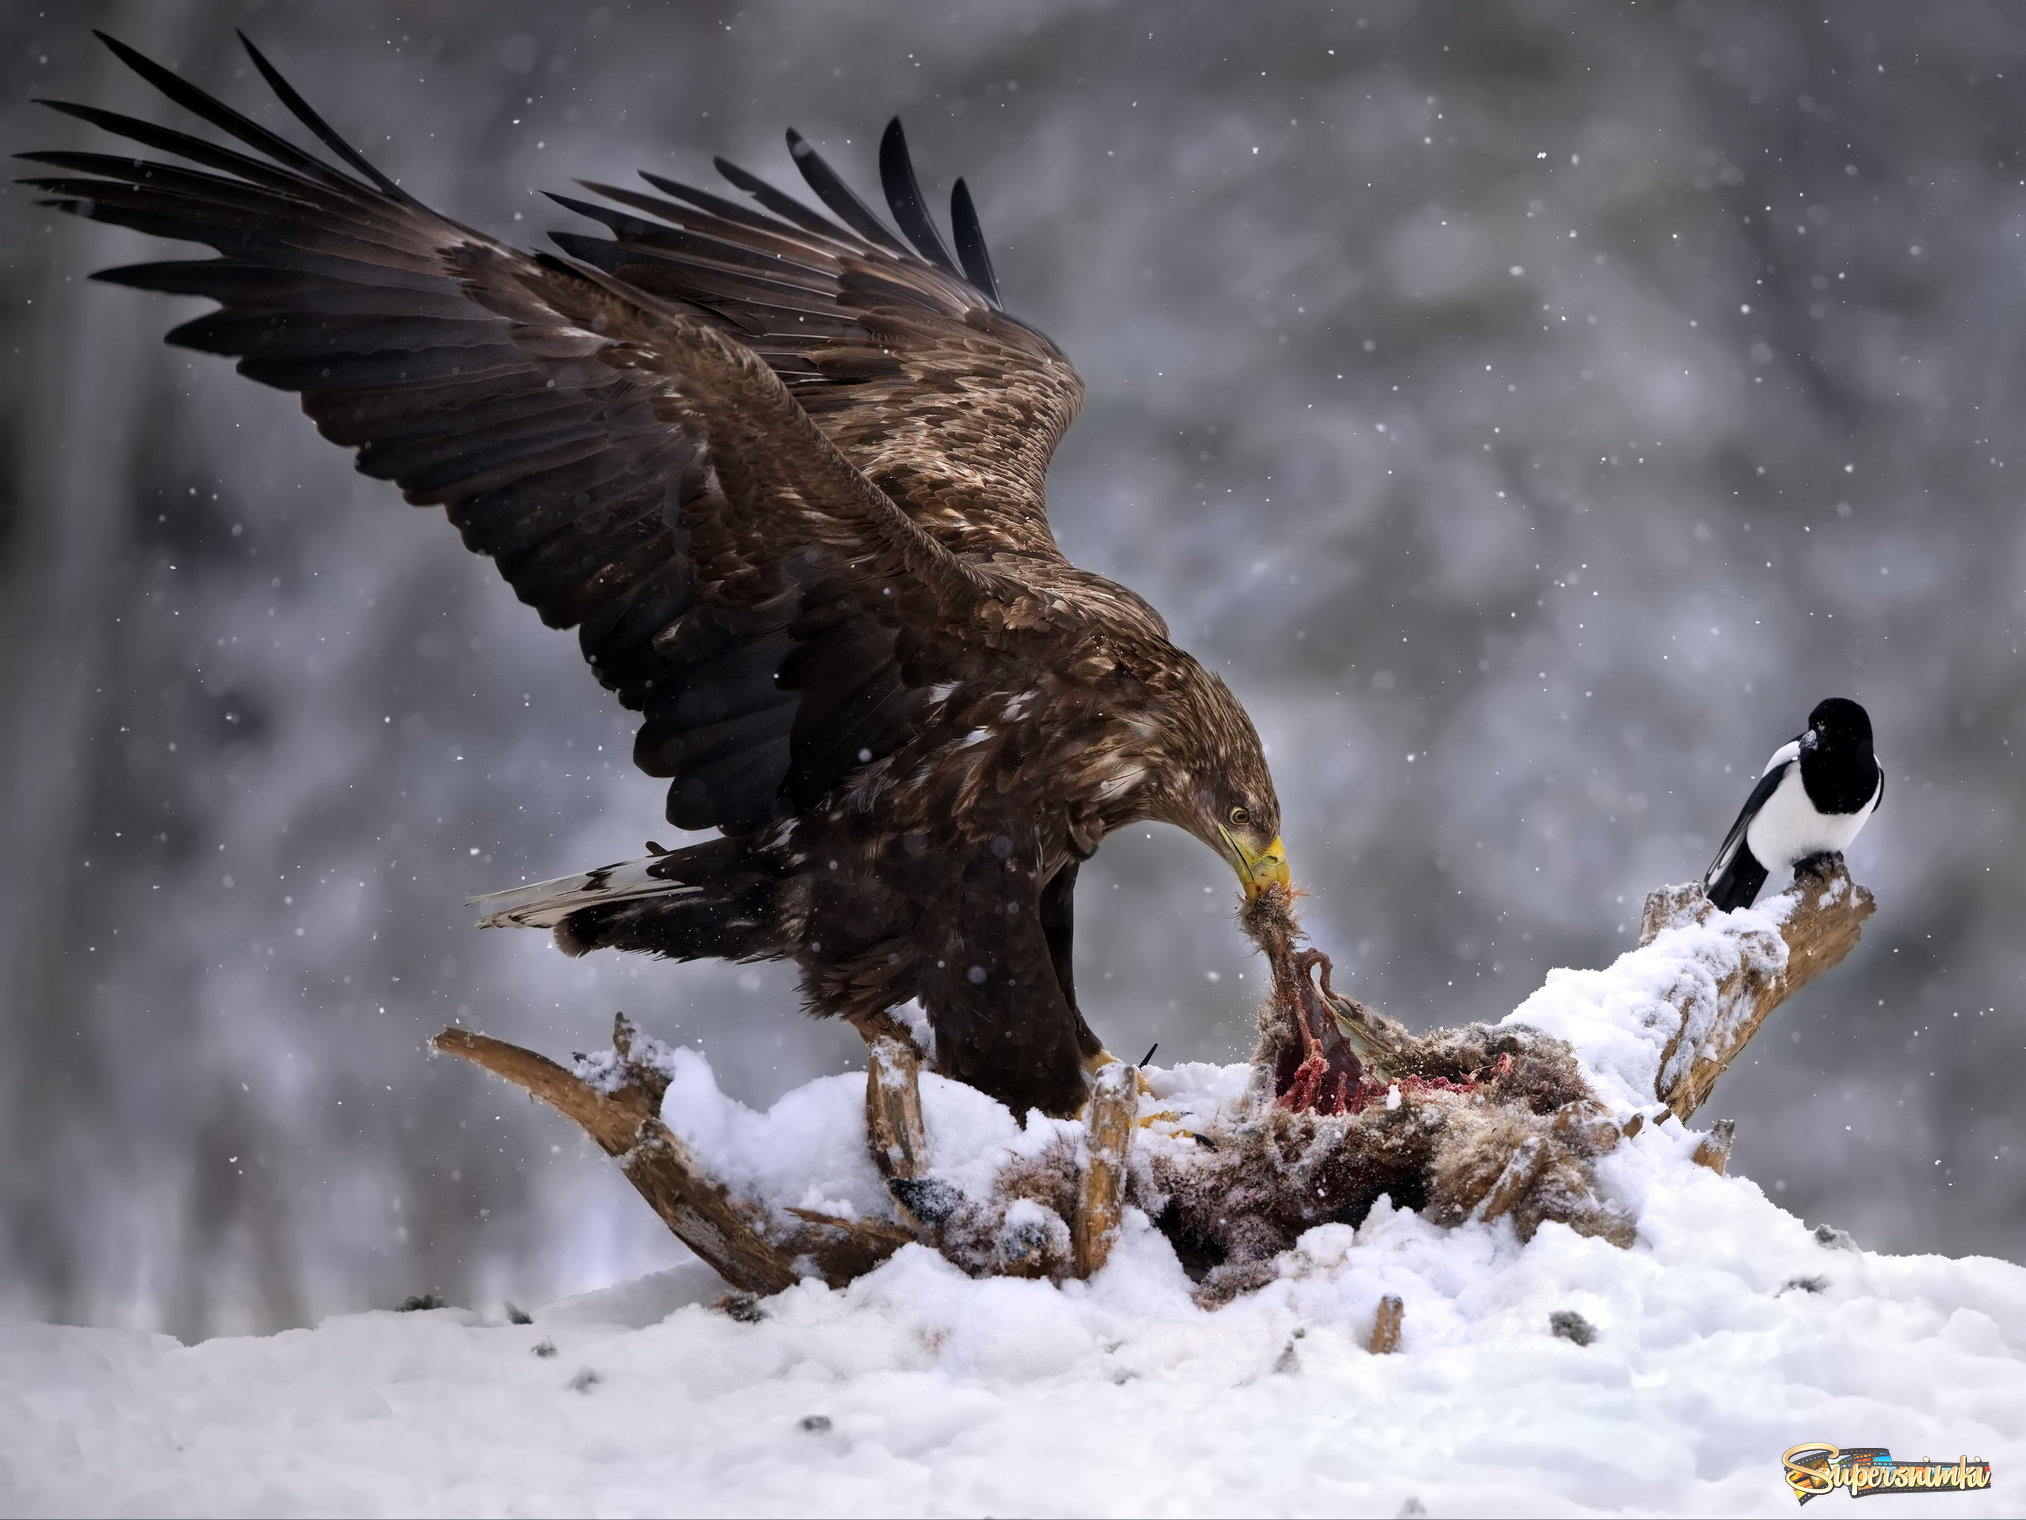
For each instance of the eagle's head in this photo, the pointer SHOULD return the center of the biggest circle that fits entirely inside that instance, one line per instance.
(1220, 790)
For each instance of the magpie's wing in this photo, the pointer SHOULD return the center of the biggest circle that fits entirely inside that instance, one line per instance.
(1776, 771)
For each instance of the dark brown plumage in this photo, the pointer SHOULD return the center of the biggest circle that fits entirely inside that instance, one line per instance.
(784, 474)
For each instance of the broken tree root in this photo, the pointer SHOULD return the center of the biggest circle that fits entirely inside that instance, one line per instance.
(758, 1247)
(753, 1248)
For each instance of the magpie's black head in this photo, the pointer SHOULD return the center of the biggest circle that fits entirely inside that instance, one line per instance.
(1840, 724)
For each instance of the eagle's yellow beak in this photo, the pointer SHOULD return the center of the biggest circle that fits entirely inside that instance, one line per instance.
(1257, 872)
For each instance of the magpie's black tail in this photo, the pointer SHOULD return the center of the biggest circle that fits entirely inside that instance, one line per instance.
(712, 901)
(1737, 884)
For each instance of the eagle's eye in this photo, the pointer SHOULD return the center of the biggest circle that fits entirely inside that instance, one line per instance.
(1240, 816)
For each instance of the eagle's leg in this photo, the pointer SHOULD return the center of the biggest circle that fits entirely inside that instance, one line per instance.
(1004, 1021)
(1058, 923)
(1057, 911)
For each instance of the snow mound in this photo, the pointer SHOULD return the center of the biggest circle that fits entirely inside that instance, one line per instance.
(1565, 1376)
(800, 1153)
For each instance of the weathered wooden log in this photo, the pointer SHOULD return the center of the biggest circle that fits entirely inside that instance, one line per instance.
(1114, 1106)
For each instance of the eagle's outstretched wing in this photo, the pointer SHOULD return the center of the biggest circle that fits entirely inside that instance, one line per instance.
(951, 406)
(633, 471)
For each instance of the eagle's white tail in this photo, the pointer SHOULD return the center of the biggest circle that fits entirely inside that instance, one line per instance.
(545, 904)
(710, 899)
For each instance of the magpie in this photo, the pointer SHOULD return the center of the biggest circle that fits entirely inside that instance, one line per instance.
(1816, 792)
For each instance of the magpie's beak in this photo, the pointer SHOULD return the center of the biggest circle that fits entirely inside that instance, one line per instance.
(1257, 872)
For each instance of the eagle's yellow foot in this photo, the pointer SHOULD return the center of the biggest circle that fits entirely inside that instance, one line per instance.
(1097, 1063)
(1177, 1133)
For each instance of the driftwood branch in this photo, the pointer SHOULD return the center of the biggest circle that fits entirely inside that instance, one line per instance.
(611, 1119)
(626, 1123)
(1114, 1108)
(1819, 920)
(893, 1109)
(743, 1243)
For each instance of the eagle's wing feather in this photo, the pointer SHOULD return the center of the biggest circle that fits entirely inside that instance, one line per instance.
(977, 258)
(908, 364)
(904, 198)
(633, 470)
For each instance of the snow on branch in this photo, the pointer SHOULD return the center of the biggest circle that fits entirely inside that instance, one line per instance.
(1663, 1022)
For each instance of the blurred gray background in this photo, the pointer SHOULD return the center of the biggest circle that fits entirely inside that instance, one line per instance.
(1531, 408)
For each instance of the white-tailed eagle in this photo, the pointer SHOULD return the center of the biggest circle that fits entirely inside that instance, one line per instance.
(783, 472)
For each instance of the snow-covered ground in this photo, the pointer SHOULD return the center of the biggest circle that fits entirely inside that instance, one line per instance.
(1729, 1334)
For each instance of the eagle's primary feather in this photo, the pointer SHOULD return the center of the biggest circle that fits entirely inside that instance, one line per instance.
(785, 476)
